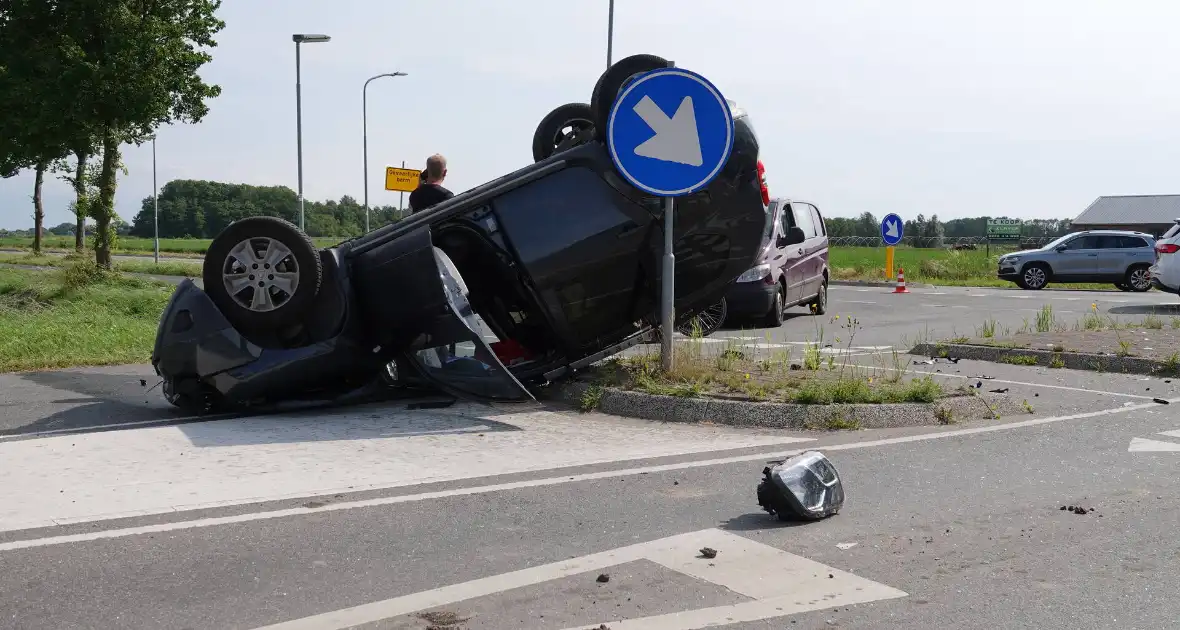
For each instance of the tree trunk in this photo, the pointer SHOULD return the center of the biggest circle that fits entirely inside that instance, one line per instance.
(80, 199)
(103, 208)
(38, 207)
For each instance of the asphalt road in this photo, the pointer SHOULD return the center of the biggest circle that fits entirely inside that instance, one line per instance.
(504, 517)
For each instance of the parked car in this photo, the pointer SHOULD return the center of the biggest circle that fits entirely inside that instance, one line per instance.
(1165, 273)
(520, 280)
(1120, 257)
(792, 267)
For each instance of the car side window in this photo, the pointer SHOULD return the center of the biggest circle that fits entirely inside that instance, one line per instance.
(818, 220)
(1131, 242)
(1081, 242)
(803, 217)
(787, 218)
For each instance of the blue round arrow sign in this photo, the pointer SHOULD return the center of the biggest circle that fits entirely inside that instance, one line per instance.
(892, 229)
(670, 132)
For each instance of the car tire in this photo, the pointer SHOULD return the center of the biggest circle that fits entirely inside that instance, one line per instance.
(607, 89)
(774, 318)
(262, 245)
(552, 137)
(707, 322)
(1138, 279)
(1034, 277)
(819, 305)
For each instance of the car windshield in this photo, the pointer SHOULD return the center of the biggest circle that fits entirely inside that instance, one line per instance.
(768, 229)
(1059, 240)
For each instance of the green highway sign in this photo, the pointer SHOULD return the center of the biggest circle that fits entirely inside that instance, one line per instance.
(1003, 229)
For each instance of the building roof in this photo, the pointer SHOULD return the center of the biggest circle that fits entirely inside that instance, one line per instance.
(1131, 210)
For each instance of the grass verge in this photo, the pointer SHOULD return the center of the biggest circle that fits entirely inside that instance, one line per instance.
(733, 375)
(76, 315)
(165, 268)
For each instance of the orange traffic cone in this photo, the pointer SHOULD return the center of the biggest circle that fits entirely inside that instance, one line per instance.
(900, 281)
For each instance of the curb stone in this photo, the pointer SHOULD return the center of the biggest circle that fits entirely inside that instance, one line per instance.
(1070, 360)
(739, 413)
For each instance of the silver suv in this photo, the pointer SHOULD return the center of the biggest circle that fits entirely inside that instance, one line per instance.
(1116, 256)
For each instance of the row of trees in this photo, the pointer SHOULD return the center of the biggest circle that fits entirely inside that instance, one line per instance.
(922, 228)
(201, 209)
(81, 78)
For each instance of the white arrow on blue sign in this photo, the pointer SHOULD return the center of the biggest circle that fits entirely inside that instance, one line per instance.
(892, 229)
(670, 132)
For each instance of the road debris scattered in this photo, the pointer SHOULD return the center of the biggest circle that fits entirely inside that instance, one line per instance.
(602, 578)
(1160, 401)
(709, 552)
(314, 504)
(441, 619)
(846, 545)
(1001, 390)
(1076, 509)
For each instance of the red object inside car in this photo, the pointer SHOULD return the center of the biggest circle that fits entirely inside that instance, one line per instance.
(509, 351)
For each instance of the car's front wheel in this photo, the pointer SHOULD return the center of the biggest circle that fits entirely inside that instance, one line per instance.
(1138, 279)
(263, 273)
(1034, 277)
(774, 318)
(607, 89)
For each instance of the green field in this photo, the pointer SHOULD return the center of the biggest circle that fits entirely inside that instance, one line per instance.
(927, 266)
(76, 315)
(195, 247)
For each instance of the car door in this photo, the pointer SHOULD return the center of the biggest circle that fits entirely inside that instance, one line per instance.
(1076, 258)
(793, 258)
(809, 250)
(819, 253)
(1127, 251)
(454, 354)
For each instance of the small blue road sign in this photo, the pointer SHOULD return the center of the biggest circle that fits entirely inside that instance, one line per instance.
(892, 229)
(670, 132)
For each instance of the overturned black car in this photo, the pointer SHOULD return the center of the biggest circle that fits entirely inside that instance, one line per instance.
(518, 281)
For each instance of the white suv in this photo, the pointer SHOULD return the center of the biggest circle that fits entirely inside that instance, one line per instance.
(1165, 274)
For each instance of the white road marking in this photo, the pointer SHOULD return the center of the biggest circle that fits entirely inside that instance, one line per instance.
(779, 583)
(1000, 380)
(766, 346)
(1141, 445)
(159, 470)
(857, 302)
(551, 481)
(977, 295)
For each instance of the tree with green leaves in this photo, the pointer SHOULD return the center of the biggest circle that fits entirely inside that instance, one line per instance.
(137, 64)
(37, 118)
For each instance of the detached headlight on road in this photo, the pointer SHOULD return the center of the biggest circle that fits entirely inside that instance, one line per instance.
(755, 274)
(805, 486)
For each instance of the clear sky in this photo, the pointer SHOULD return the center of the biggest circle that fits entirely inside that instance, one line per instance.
(1026, 108)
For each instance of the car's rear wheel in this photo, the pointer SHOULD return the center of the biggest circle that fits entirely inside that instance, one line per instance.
(607, 89)
(1138, 278)
(262, 273)
(563, 129)
(1034, 277)
(819, 305)
(706, 322)
(774, 318)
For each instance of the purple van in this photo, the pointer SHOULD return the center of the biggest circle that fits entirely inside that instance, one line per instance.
(792, 269)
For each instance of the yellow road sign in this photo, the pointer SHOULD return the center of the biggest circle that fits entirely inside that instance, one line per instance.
(401, 179)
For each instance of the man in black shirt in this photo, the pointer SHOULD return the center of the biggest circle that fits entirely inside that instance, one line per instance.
(431, 192)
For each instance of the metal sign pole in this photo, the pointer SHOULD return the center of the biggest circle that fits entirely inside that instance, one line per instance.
(667, 290)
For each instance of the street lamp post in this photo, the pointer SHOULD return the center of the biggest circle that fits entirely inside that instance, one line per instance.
(610, 32)
(301, 38)
(155, 202)
(365, 132)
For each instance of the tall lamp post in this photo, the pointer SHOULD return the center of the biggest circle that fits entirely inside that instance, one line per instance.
(610, 32)
(365, 132)
(301, 38)
(155, 202)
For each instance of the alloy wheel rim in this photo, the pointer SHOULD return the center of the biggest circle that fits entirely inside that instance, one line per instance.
(260, 274)
(1034, 277)
(1139, 279)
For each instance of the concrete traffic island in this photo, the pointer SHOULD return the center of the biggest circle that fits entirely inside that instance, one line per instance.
(731, 388)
